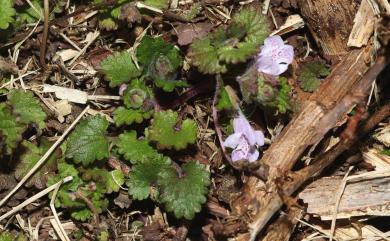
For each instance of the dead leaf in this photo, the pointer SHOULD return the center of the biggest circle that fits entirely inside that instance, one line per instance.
(186, 33)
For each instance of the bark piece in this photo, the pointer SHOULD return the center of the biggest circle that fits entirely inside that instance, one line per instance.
(310, 124)
(378, 160)
(363, 25)
(367, 197)
(330, 23)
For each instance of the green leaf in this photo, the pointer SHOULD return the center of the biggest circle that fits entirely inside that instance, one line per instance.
(283, 96)
(110, 181)
(135, 150)
(126, 116)
(28, 14)
(311, 74)
(10, 129)
(6, 236)
(160, 4)
(161, 61)
(240, 41)
(184, 195)
(119, 68)
(255, 24)
(151, 47)
(239, 53)
(107, 22)
(205, 57)
(82, 215)
(29, 158)
(64, 198)
(87, 142)
(144, 175)
(166, 130)
(27, 107)
(6, 13)
(386, 151)
(170, 85)
(224, 102)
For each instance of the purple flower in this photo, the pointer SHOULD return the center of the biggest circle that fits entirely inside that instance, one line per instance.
(275, 56)
(244, 141)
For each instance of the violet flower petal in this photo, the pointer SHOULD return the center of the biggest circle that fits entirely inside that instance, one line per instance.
(275, 56)
(233, 140)
(259, 136)
(253, 156)
(241, 125)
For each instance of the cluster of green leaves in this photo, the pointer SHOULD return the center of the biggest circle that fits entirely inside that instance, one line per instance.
(20, 110)
(237, 43)
(161, 61)
(150, 169)
(17, 16)
(91, 184)
(138, 104)
(311, 75)
(153, 176)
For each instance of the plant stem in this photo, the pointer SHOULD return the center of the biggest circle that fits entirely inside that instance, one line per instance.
(42, 51)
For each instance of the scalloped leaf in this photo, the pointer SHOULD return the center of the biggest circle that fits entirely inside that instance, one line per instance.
(235, 44)
(10, 129)
(170, 85)
(87, 142)
(311, 74)
(239, 53)
(119, 68)
(27, 107)
(282, 101)
(166, 130)
(135, 150)
(255, 24)
(82, 215)
(110, 181)
(161, 61)
(144, 175)
(126, 116)
(30, 158)
(205, 57)
(151, 47)
(184, 195)
(7, 12)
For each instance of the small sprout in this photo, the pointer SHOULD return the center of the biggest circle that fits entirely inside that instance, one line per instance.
(134, 98)
(245, 140)
(275, 56)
